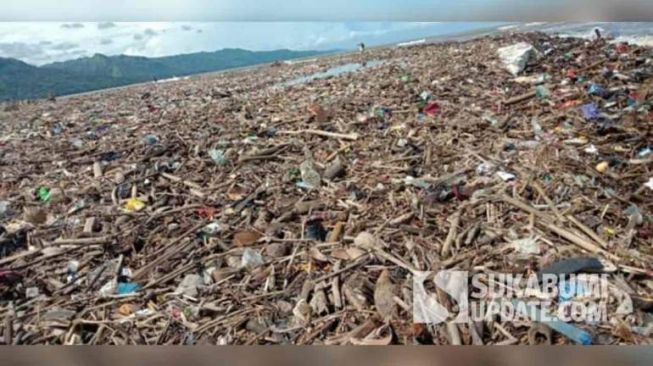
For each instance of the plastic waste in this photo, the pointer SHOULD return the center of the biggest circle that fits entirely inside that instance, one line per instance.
(516, 57)
(590, 111)
(77, 143)
(485, 168)
(213, 228)
(431, 109)
(542, 92)
(134, 204)
(595, 89)
(568, 330)
(206, 212)
(31, 292)
(71, 269)
(537, 127)
(125, 288)
(108, 289)
(5, 210)
(505, 176)
(218, 156)
(251, 259)
(602, 167)
(310, 177)
(649, 184)
(150, 139)
(43, 193)
(411, 181)
(57, 130)
(573, 265)
(591, 149)
(188, 286)
(644, 152)
(526, 246)
(315, 231)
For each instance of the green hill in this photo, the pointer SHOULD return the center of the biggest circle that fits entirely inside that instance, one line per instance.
(19, 80)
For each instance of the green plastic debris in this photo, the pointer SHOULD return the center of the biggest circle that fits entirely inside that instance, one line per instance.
(542, 78)
(542, 92)
(43, 193)
(218, 157)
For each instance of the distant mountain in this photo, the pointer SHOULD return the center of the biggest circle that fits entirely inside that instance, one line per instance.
(124, 68)
(19, 80)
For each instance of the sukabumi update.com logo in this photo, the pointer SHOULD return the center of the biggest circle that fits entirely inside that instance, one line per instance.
(457, 296)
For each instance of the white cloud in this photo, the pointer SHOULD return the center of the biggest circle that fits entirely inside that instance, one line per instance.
(43, 42)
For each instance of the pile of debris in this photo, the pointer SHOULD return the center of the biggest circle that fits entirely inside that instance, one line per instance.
(244, 208)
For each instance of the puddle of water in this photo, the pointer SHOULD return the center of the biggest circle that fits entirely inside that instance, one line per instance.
(334, 71)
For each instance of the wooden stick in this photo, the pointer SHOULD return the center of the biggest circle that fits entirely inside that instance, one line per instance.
(520, 98)
(453, 232)
(588, 231)
(83, 241)
(351, 136)
(547, 223)
(163, 257)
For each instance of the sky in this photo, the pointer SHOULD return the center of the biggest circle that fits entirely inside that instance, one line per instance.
(39, 43)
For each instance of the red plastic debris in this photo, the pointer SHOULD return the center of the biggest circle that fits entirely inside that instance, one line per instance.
(572, 74)
(568, 104)
(206, 212)
(431, 109)
(622, 47)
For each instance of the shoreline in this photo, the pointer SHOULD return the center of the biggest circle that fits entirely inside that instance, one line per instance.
(462, 36)
(456, 36)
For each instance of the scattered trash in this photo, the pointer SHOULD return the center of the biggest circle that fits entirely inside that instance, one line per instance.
(310, 177)
(516, 57)
(44, 194)
(126, 309)
(644, 152)
(251, 259)
(591, 149)
(315, 231)
(595, 89)
(125, 288)
(134, 204)
(570, 331)
(218, 157)
(573, 265)
(213, 228)
(32, 292)
(526, 246)
(542, 92)
(431, 109)
(150, 139)
(5, 210)
(179, 218)
(649, 184)
(602, 167)
(188, 286)
(505, 176)
(590, 111)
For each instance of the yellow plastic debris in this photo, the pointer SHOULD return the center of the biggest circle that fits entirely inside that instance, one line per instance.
(126, 309)
(134, 204)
